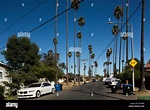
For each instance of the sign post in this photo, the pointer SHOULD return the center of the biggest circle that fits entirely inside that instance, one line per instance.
(133, 63)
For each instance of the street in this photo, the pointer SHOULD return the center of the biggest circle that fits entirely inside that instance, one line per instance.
(89, 91)
(92, 94)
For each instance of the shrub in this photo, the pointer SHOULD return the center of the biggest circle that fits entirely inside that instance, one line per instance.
(2, 92)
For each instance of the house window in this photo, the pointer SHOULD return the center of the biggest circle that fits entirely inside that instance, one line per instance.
(0, 74)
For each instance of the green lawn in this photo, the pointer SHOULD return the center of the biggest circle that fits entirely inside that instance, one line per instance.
(143, 98)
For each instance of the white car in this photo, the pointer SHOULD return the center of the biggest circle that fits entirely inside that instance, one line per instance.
(36, 90)
(114, 81)
(107, 80)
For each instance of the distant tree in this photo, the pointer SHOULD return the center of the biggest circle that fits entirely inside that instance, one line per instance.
(62, 65)
(20, 52)
(118, 12)
(48, 58)
(127, 73)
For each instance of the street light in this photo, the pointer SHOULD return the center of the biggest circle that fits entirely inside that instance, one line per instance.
(132, 48)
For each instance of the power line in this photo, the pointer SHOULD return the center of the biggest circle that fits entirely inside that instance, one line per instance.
(58, 20)
(52, 18)
(120, 29)
(47, 20)
(23, 16)
(31, 21)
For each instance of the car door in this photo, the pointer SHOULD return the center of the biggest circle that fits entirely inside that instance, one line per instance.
(46, 88)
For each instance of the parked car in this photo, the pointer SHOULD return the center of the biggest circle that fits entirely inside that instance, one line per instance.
(36, 90)
(116, 82)
(107, 80)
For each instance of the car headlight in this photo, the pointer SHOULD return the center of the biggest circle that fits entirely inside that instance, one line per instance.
(31, 90)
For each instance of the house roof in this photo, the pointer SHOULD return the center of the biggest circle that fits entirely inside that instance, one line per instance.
(147, 66)
(5, 66)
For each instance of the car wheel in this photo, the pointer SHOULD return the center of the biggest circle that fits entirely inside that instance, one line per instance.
(38, 94)
(53, 91)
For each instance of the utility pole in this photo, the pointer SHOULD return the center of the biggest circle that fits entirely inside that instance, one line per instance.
(127, 12)
(55, 44)
(75, 6)
(142, 85)
(67, 43)
(120, 50)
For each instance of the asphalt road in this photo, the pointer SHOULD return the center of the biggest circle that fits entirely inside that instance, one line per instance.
(89, 91)
(90, 95)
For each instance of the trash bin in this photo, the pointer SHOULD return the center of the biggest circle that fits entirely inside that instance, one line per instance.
(60, 87)
(113, 89)
(57, 87)
(118, 86)
(127, 88)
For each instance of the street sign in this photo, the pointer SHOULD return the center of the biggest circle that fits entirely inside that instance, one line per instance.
(133, 62)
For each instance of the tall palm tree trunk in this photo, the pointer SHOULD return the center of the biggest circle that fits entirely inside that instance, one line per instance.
(74, 46)
(67, 44)
(116, 45)
(127, 12)
(56, 74)
(142, 85)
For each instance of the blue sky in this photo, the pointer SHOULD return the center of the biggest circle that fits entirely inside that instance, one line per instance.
(25, 15)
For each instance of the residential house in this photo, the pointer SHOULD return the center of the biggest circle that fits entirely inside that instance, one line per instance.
(147, 66)
(4, 73)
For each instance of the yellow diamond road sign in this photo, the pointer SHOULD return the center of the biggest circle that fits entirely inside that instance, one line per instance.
(133, 62)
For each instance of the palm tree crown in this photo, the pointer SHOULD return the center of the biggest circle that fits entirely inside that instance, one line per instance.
(118, 12)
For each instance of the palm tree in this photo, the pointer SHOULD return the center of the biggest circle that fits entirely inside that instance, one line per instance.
(118, 13)
(78, 55)
(84, 68)
(90, 48)
(67, 43)
(50, 58)
(104, 70)
(62, 65)
(92, 57)
(75, 6)
(90, 52)
(69, 55)
(81, 22)
(108, 53)
(55, 41)
(96, 65)
(142, 85)
(115, 31)
(79, 35)
(123, 49)
(110, 66)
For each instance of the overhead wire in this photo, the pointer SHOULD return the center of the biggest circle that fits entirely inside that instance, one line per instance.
(20, 20)
(23, 16)
(52, 18)
(31, 21)
(40, 24)
(120, 29)
(58, 20)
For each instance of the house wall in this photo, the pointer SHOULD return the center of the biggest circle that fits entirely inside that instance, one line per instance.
(3, 74)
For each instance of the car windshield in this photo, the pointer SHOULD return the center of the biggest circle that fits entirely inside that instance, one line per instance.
(107, 78)
(34, 85)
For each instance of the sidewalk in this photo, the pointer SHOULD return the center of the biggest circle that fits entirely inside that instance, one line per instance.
(122, 96)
